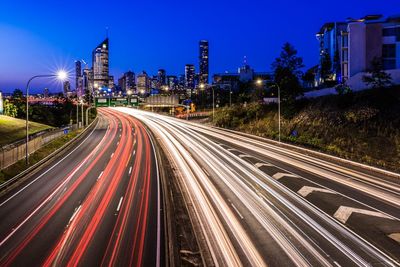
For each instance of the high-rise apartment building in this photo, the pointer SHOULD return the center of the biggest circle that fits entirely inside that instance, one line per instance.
(203, 62)
(189, 76)
(354, 44)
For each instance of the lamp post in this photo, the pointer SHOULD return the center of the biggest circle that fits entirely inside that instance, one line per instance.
(274, 84)
(83, 124)
(129, 93)
(61, 75)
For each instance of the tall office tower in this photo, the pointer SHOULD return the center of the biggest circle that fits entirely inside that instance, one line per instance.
(87, 81)
(67, 88)
(78, 78)
(172, 82)
(189, 76)
(161, 78)
(100, 65)
(142, 83)
(203, 62)
(127, 82)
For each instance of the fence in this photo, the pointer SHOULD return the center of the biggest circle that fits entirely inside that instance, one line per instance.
(12, 153)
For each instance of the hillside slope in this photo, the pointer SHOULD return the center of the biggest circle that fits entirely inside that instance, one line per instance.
(362, 126)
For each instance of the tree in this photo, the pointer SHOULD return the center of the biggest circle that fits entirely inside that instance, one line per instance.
(287, 73)
(377, 77)
(17, 94)
(10, 109)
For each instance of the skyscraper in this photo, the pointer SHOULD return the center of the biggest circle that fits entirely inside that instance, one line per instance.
(101, 77)
(143, 83)
(66, 88)
(161, 78)
(78, 78)
(203, 62)
(127, 81)
(189, 76)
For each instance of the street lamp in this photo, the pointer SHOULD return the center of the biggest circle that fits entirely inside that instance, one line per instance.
(260, 82)
(60, 75)
(279, 110)
(129, 93)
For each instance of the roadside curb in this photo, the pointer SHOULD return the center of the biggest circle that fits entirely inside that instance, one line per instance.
(9, 184)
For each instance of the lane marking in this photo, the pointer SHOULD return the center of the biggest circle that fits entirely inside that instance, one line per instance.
(306, 190)
(119, 204)
(279, 175)
(395, 237)
(344, 213)
(242, 156)
(206, 171)
(98, 178)
(117, 143)
(112, 155)
(232, 149)
(237, 211)
(75, 213)
(261, 164)
(52, 167)
(130, 170)
(134, 152)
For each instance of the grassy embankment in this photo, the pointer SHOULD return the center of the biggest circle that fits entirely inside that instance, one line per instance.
(12, 129)
(20, 166)
(363, 127)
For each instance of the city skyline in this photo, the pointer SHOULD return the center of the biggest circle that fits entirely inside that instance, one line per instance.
(256, 36)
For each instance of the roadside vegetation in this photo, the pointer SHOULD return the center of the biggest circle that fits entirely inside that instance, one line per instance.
(363, 126)
(13, 129)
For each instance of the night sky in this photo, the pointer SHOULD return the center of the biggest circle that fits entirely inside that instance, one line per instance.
(38, 37)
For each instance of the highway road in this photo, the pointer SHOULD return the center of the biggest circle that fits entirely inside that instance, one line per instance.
(98, 204)
(256, 203)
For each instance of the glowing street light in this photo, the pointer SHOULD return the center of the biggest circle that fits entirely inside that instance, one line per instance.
(259, 82)
(61, 75)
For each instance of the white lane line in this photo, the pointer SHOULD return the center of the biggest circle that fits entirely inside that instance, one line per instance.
(112, 155)
(306, 190)
(237, 211)
(344, 213)
(75, 213)
(120, 136)
(337, 264)
(206, 171)
(134, 152)
(279, 175)
(130, 170)
(395, 237)
(98, 178)
(261, 164)
(117, 143)
(242, 156)
(232, 149)
(119, 204)
(52, 167)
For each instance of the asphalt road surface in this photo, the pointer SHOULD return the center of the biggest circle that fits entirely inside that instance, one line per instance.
(97, 205)
(257, 203)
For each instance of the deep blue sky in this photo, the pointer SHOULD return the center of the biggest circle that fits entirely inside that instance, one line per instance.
(39, 36)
